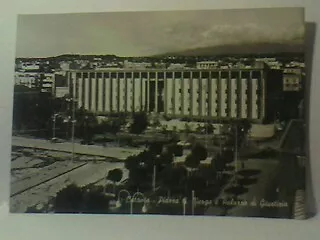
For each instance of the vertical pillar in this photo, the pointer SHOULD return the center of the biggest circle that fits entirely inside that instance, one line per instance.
(191, 94)
(156, 92)
(200, 94)
(229, 96)
(210, 95)
(103, 92)
(141, 92)
(148, 91)
(250, 103)
(174, 93)
(165, 93)
(239, 95)
(219, 87)
(262, 90)
(182, 94)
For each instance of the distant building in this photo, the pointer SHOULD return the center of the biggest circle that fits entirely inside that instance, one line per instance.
(292, 79)
(60, 86)
(236, 93)
(136, 65)
(207, 64)
(42, 81)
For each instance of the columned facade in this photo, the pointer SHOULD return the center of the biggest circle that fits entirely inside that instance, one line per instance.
(207, 94)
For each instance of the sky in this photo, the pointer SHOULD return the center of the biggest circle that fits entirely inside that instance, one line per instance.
(150, 33)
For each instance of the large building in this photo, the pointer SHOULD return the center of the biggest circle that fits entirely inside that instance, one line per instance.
(195, 93)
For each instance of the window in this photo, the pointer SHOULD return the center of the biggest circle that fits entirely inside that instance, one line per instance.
(128, 75)
(205, 74)
(169, 74)
(177, 74)
(85, 75)
(160, 75)
(186, 74)
(99, 75)
(92, 75)
(152, 74)
(195, 74)
(214, 75)
(136, 75)
(113, 75)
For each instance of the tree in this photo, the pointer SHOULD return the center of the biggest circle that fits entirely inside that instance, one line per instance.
(172, 178)
(200, 151)
(115, 175)
(95, 201)
(132, 162)
(192, 161)
(74, 199)
(209, 128)
(139, 178)
(140, 123)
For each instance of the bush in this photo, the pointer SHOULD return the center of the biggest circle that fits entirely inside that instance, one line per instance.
(74, 199)
(140, 123)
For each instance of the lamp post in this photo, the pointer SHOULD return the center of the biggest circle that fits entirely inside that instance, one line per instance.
(118, 203)
(154, 174)
(67, 121)
(192, 202)
(236, 149)
(144, 208)
(132, 198)
(54, 125)
(184, 203)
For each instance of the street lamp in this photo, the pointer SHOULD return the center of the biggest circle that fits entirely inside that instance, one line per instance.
(118, 202)
(66, 121)
(54, 125)
(193, 202)
(184, 203)
(144, 208)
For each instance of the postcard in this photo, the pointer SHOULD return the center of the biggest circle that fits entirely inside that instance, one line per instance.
(197, 112)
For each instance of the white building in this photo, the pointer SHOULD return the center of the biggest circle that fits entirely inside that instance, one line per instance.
(229, 94)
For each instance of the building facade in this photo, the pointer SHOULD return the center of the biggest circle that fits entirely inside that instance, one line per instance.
(292, 79)
(42, 81)
(194, 93)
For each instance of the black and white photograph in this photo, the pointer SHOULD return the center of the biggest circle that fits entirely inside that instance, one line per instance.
(189, 112)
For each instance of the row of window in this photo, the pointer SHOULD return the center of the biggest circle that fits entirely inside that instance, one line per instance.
(196, 74)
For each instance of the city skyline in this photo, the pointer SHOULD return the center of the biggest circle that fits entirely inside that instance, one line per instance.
(127, 34)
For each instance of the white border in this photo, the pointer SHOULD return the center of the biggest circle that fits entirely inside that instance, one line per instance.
(157, 227)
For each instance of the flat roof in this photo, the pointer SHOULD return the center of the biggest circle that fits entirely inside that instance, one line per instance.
(168, 70)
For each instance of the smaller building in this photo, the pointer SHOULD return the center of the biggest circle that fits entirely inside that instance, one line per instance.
(207, 64)
(292, 79)
(39, 80)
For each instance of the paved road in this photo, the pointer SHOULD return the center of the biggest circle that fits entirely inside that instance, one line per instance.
(110, 152)
(256, 191)
(293, 140)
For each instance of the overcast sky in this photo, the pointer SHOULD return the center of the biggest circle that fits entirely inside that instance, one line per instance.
(148, 33)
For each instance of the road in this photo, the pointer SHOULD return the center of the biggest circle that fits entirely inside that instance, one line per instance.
(93, 150)
(293, 140)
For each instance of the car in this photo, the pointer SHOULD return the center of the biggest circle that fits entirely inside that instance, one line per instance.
(55, 140)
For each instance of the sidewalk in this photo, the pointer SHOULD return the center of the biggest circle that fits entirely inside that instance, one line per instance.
(256, 191)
